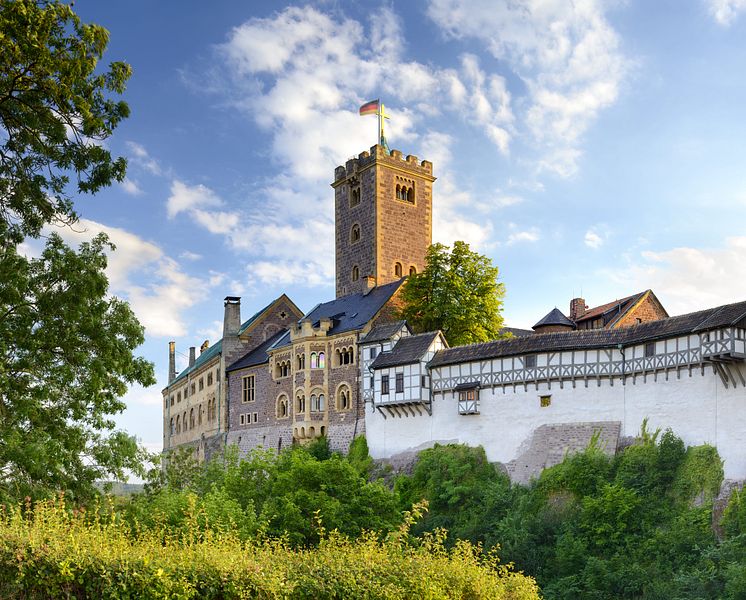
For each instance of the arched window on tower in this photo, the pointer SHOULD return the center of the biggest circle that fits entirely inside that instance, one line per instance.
(282, 406)
(355, 273)
(412, 270)
(410, 195)
(314, 360)
(397, 270)
(355, 233)
(354, 196)
(322, 360)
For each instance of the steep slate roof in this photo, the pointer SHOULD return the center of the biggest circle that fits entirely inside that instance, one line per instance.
(407, 350)
(516, 331)
(383, 332)
(214, 350)
(257, 356)
(721, 316)
(349, 313)
(555, 317)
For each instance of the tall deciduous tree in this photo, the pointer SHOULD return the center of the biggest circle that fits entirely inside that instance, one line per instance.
(55, 109)
(458, 293)
(66, 346)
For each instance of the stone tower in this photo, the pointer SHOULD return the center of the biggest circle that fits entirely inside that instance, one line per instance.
(383, 218)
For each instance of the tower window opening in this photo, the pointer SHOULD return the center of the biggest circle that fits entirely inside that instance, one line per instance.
(397, 270)
(355, 273)
(355, 233)
(354, 196)
(413, 270)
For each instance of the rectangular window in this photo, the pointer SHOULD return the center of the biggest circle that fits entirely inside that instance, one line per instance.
(649, 349)
(194, 388)
(371, 381)
(545, 401)
(201, 384)
(186, 392)
(243, 419)
(178, 397)
(247, 389)
(399, 383)
(385, 384)
(423, 381)
(373, 352)
(209, 379)
(468, 402)
(529, 361)
(256, 417)
(172, 399)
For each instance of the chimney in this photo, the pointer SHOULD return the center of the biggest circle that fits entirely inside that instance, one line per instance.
(577, 308)
(171, 361)
(232, 316)
(204, 346)
(191, 356)
(369, 282)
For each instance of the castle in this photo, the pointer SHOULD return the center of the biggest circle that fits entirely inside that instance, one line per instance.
(348, 367)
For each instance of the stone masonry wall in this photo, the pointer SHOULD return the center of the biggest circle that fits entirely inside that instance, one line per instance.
(648, 310)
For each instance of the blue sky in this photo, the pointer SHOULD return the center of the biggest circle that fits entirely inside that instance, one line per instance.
(587, 147)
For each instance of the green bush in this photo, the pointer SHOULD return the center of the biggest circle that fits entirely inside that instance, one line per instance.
(53, 553)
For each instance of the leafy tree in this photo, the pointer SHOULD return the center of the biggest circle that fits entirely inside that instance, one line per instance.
(458, 293)
(66, 347)
(54, 112)
(66, 358)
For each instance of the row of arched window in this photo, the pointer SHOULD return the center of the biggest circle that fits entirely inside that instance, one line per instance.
(344, 356)
(317, 402)
(282, 369)
(183, 423)
(405, 193)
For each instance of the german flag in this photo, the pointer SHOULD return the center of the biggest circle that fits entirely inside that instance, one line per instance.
(370, 108)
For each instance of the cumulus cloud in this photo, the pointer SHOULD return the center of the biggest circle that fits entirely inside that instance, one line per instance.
(300, 74)
(139, 156)
(154, 284)
(689, 279)
(725, 12)
(131, 187)
(566, 53)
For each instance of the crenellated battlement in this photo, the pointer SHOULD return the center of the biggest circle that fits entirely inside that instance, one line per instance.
(379, 154)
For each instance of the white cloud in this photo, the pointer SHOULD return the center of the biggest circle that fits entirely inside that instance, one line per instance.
(131, 187)
(139, 155)
(212, 333)
(188, 255)
(596, 236)
(528, 235)
(566, 53)
(725, 12)
(688, 279)
(154, 285)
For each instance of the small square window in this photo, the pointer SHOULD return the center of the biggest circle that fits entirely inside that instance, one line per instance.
(545, 401)
(468, 401)
(649, 349)
(529, 361)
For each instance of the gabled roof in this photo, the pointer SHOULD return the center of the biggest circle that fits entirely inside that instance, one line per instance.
(349, 313)
(204, 358)
(215, 349)
(383, 332)
(612, 312)
(555, 317)
(247, 324)
(408, 350)
(712, 318)
(257, 356)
